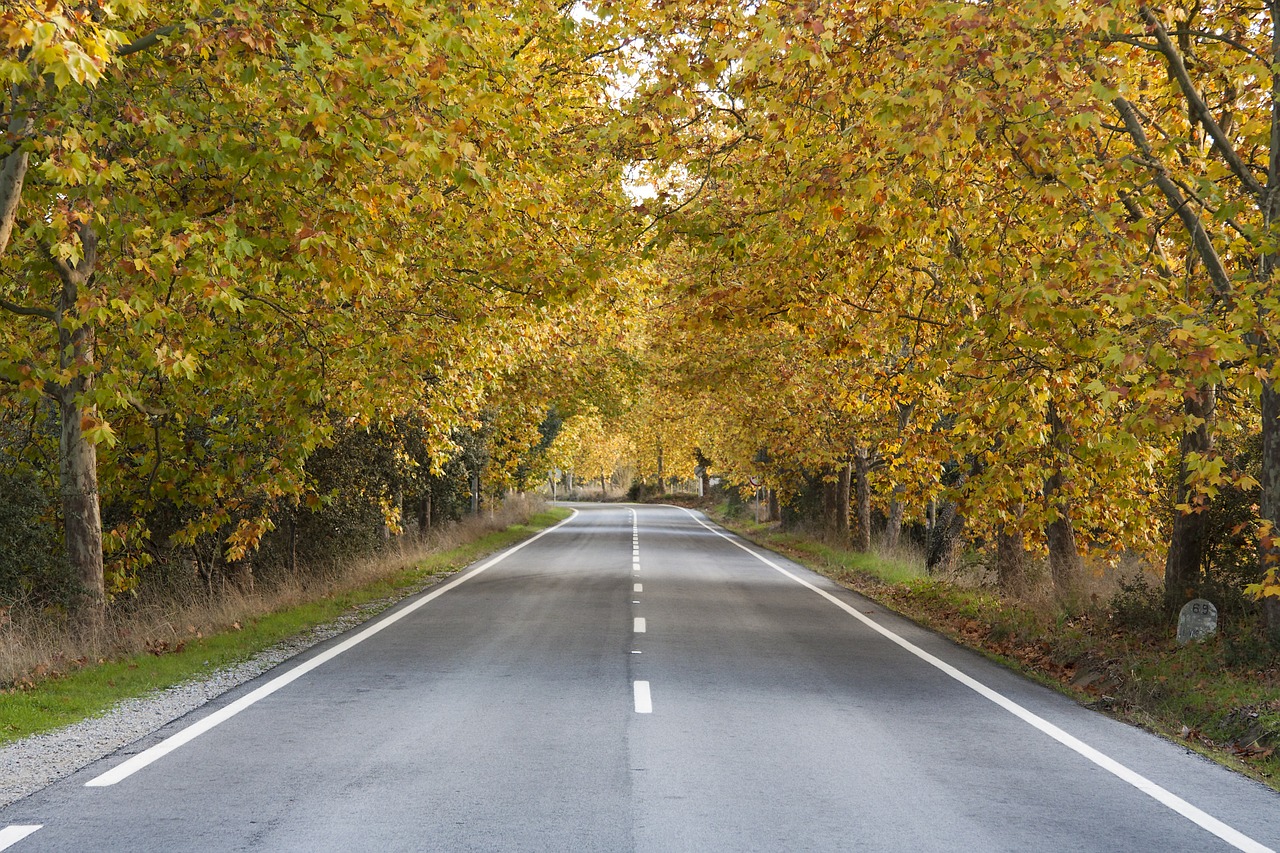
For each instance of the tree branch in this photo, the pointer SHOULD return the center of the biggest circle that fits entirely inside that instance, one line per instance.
(148, 41)
(1195, 228)
(24, 311)
(1199, 109)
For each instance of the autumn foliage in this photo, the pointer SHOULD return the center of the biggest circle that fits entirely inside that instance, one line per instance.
(1001, 272)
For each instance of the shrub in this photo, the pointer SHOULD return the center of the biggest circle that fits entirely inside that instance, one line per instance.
(1138, 605)
(32, 563)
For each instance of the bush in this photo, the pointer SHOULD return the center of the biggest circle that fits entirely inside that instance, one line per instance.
(32, 561)
(642, 492)
(1138, 605)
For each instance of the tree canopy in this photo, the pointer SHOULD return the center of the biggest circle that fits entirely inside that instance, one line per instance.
(1002, 270)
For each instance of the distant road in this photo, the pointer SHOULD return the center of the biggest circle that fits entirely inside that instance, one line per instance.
(635, 679)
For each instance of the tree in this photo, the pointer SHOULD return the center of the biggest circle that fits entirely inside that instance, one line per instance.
(189, 189)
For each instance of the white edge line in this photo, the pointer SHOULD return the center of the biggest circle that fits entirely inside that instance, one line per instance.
(644, 702)
(1161, 795)
(11, 835)
(168, 745)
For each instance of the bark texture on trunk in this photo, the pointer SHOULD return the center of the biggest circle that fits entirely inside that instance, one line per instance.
(13, 170)
(81, 515)
(1189, 539)
(893, 525)
(1011, 561)
(12, 176)
(77, 454)
(774, 510)
(662, 485)
(946, 539)
(1269, 504)
(1065, 566)
(844, 499)
(862, 498)
(424, 514)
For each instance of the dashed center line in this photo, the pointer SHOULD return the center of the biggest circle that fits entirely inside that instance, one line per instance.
(644, 702)
(643, 699)
(11, 835)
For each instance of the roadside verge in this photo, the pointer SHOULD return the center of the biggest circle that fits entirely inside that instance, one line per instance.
(58, 725)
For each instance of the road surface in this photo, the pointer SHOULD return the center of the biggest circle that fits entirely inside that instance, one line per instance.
(637, 680)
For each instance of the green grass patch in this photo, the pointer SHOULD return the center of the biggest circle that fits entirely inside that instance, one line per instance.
(92, 689)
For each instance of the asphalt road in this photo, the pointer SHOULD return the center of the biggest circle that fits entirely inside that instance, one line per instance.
(635, 680)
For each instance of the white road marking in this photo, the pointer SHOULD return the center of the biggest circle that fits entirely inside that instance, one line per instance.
(190, 733)
(636, 652)
(638, 625)
(639, 587)
(644, 702)
(11, 835)
(1200, 818)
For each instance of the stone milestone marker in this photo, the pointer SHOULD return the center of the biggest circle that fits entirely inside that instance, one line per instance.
(1198, 620)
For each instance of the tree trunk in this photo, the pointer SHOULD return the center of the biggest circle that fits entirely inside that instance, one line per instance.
(1184, 563)
(13, 171)
(293, 541)
(946, 539)
(862, 492)
(475, 492)
(77, 454)
(1065, 566)
(662, 487)
(830, 500)
(774, 511)
(1269, 503)
(603, 490)
(81, 518)
(893, 527)
(12, 176)
(1011, 561)
(424, 514)
(946, 535)
(844, 500)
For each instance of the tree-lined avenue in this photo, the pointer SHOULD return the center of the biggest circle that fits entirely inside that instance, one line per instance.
(502, 715)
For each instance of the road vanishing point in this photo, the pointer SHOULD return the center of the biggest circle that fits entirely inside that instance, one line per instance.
(636, 679)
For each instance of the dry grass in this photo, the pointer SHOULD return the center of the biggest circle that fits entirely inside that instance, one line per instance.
(1104, 576)
(36, 644)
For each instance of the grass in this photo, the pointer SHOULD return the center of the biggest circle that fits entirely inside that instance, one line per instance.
(1220, 697)
(45, 699)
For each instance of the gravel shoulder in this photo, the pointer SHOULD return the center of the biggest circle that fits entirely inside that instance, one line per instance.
(36, 762)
